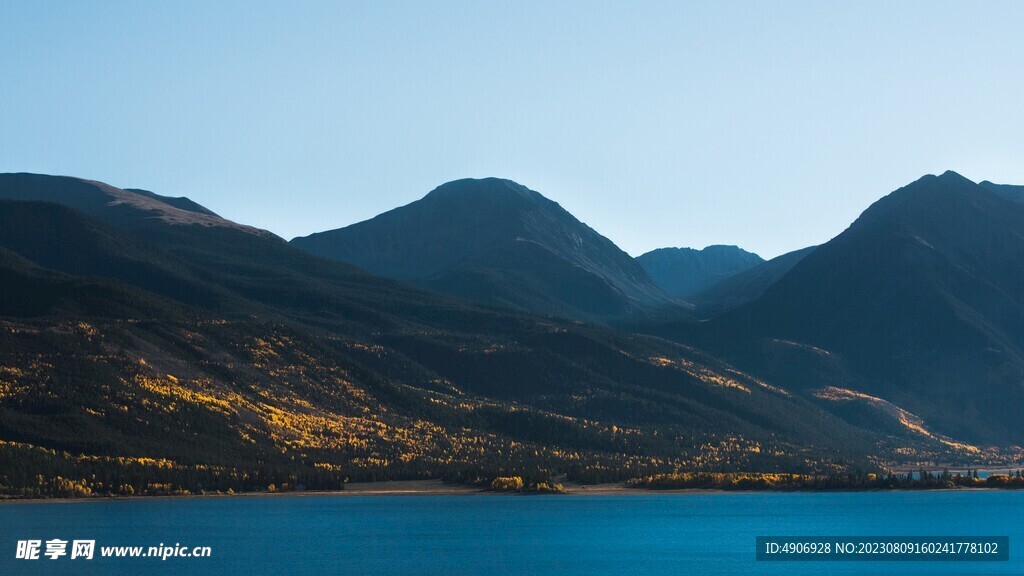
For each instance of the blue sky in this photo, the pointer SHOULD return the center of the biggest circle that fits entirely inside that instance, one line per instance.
(770, 125)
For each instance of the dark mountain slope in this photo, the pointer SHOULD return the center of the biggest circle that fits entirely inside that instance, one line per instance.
(527, 276)
(501, 243)
(745, 286)
(222, 268)
(920, 302)
(684, 272)
(61, 238)
(30, 291)
(1008, 191)
(123, 208)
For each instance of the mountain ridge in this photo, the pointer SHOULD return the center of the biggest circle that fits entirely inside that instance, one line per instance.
(685, 272)
(131, 208)
(466, 232)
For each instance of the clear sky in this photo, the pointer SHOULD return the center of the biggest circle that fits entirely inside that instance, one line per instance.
(770, 125)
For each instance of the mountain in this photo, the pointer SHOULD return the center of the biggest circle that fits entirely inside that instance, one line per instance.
(920, 303)
(125, 208)
(142, 354)
(684, 272)
(745, 286)
(497, 242)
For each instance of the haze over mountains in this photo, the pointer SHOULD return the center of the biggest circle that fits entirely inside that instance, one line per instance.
(141, 326)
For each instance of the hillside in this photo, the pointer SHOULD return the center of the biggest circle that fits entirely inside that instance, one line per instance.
(745, 286)
(497, 242)
(125, 208)
(920, 303)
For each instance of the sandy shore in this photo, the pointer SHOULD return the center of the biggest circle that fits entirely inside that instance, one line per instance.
(413, 487)
(400, 487)
(383, 488)
(440, 488)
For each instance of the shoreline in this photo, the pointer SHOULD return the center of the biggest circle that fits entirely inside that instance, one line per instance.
(439, 488)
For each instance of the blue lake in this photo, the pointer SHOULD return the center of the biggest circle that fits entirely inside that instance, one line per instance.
(491, 535)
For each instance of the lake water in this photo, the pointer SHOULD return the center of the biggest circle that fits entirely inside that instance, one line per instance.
(493, 535)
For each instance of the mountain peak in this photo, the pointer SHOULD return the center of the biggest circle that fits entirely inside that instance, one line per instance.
(928, 181)
(952, 177)
(475, 189)
(725, 249)
(496, 241)
(926, 281)
(928, 193)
